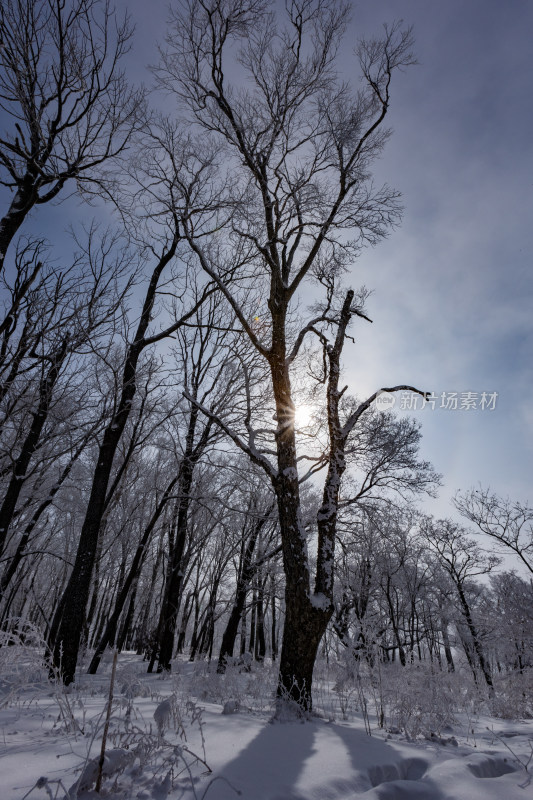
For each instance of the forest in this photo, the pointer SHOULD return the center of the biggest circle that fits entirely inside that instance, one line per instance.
(187, 482)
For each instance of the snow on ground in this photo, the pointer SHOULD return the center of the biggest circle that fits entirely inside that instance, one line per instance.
(249, 756)
(333, 761)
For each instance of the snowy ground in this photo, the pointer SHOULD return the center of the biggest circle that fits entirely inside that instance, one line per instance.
(44, 732)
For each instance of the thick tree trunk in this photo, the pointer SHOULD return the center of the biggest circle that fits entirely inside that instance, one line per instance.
(307, 613)
(304, 625)
(298, 653)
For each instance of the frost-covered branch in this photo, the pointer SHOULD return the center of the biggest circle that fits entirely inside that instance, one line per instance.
(248, 448)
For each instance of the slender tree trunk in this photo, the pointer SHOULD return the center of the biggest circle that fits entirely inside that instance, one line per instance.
(242, 647)
(447, 648)
(206, 645)
(174, 583)
(125, 628)
(194, 635)
(274, 632)
(29, 446)
(13, 564)
(133, 574)
(394, 623)
(142, 635)
(232, 626)
(476, 642)
(72, 620)
(260, 644)
(253, 614)
(184, 622)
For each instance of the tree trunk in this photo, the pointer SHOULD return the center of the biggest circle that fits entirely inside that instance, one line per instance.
(184, 622)
(260, 644)
(475, 639)
(23, 201)
(274, 632)
(447, 648)
(142, 635)
(253, 614)
(72, 620)
(394, 623)
(166, 629)
(29, 446)
(245, 575)
(110, 631)
(307, 613)
(11, 568)
(125, 630)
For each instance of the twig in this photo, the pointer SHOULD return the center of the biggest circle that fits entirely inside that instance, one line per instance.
(106, 726)
(523, 764)
(221, 778)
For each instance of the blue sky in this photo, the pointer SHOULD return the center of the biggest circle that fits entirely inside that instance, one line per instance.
(453, 287)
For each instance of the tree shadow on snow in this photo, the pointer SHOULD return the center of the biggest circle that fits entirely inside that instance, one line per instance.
(385, 773)
(321, 761)
(269, 766)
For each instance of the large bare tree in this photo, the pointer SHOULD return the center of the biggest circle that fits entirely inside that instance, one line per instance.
(290, 148)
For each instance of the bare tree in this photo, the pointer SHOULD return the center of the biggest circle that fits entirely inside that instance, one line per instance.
(512, 613)
(69, 104)
(205, 362)
(255, 520)
(64, 319)
(463, 560)
(293, 148)
(70, 615)
(510, 524)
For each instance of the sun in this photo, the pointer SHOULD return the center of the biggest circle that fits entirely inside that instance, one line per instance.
(303, 416)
